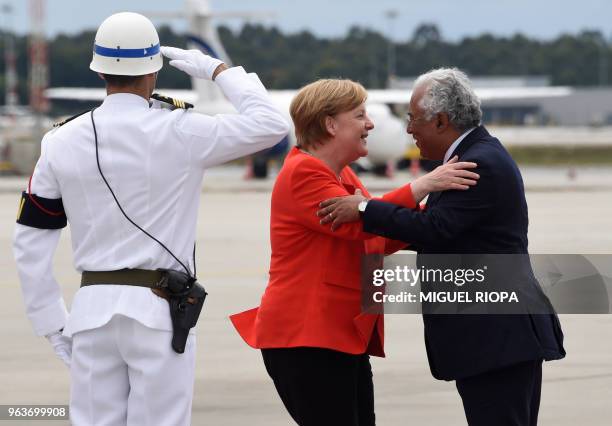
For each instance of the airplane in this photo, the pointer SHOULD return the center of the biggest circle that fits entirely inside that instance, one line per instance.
(387, 142)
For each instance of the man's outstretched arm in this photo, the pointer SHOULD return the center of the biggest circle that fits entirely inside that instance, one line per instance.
(455, 212)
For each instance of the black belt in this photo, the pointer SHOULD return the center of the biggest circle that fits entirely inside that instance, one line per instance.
(184, 295)
(136, 277)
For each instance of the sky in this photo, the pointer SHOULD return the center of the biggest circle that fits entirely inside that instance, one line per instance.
(543, 19)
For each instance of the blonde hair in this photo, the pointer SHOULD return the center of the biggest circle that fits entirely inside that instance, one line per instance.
(316, 101)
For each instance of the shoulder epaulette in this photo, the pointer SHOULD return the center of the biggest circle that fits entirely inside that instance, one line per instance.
(176, 103)
(61, 123)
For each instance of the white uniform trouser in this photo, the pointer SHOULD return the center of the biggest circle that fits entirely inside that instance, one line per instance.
(124, 373)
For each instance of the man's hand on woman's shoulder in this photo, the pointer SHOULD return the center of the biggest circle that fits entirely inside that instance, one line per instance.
(339, 210)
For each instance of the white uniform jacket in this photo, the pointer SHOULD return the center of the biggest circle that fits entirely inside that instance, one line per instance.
(154, 159)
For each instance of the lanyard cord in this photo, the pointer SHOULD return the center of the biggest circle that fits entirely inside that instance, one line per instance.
(126, 216)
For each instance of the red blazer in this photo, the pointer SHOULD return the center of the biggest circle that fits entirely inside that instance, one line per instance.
(313, 297)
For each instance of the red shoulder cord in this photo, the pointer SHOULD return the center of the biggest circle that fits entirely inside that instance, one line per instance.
(49, 212)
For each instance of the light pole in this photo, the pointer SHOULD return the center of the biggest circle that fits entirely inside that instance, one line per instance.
(603, 61)
(10, 73)
(391, 16)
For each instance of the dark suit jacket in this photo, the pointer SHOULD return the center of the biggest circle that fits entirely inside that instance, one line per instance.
(490, 217)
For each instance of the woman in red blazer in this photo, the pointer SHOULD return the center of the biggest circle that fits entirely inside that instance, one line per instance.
(314, 338)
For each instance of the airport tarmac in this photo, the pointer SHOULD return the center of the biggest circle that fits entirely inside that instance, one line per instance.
(232, 387)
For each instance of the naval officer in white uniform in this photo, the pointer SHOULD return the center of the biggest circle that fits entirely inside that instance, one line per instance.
(116, 339)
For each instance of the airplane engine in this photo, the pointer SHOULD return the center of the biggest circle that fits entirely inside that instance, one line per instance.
(388, 140)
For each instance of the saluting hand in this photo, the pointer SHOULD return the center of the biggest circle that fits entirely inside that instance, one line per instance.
(194, 62)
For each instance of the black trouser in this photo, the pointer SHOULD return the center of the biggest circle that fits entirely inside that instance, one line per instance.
(322, 387)
(506, 397)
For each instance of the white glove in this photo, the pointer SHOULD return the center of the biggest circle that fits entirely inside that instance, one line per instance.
(192, 62)
(62, 346)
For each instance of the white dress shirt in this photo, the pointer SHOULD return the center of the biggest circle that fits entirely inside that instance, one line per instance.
(454, 145)
(154, 160)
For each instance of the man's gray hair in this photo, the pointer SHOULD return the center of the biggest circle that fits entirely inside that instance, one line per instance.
(449, 90)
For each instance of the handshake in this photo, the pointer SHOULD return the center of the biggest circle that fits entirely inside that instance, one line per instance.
(194, 62)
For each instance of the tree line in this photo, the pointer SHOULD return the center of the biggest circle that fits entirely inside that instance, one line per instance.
(288, 61)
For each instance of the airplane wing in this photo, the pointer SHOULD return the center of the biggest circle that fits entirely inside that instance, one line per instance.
(76, 93)
(98, 94)
(402, 96)
(494, 94)
(283, 97)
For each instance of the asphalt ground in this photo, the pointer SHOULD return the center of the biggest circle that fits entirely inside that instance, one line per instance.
(232, 387)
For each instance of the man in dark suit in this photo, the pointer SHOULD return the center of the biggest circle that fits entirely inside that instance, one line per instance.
(496, 360)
